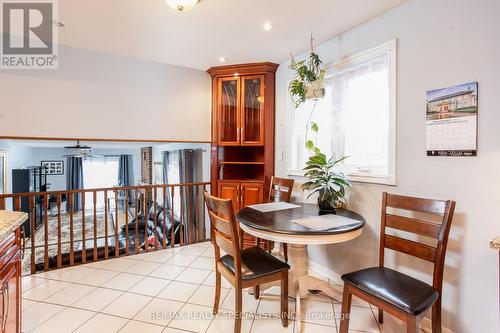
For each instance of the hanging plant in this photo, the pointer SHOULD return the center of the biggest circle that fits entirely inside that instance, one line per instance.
(308, 81)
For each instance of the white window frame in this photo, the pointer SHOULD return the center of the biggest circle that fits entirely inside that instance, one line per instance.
(388, 48)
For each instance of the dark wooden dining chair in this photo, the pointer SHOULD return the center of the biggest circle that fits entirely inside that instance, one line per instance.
(396, 293)
(280, 190)
(246, 268)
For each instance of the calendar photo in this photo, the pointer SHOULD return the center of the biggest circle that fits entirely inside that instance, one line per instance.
(451, 121)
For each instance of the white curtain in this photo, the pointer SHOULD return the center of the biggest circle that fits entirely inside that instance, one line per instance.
(361, 114)
(99, 172)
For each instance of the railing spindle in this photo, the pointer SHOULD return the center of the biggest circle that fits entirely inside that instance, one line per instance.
(59, 236)
(106, 211)
(17, 203)
(2, 203)
(203, 214)
(71, 230)
(32, 224)
(181, 212)
(172, 223)
(146, 214)
(46, 229)
(94, 199)
(155, 220)
(136, 221)
(127, 241)
(196, 212)
(117, 226)
(84, 248)
(164, 240)
(189, 221)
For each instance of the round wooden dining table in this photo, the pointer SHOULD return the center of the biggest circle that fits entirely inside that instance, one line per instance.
(279, 226)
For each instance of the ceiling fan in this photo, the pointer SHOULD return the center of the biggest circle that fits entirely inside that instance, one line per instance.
(80, 151)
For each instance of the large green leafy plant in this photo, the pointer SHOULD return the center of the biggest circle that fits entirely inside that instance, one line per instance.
(322, 177)
(307, 73)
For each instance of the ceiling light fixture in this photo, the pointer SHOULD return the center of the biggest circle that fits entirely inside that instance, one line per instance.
(268, 26)
(182, 5)
(222, 59)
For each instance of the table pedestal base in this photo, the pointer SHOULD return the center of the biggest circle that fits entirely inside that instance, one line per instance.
(300, 282)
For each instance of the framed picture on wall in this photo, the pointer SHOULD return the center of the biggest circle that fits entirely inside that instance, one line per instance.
(53, 167)
(451, 120)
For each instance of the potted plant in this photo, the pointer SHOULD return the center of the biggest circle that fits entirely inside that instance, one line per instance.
(323, 179)
(308, 81)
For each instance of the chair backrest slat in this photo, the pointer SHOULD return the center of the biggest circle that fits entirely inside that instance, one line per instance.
(415, 226)
(225, 231)
(415, 249)
(224, 242)
(420, 205)
(418, 226)
(281, 189)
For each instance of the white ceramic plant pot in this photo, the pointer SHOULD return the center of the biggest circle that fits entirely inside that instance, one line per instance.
(315, 89)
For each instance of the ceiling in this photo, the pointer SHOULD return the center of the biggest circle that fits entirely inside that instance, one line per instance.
(150, 30)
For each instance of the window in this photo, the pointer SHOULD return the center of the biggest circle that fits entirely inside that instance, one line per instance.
(356, 117)
(99, 172)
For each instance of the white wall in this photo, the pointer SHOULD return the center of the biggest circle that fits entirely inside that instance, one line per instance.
(97, 95)
(441, 43)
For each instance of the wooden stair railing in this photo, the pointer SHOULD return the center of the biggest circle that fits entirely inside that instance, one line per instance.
(196, 225)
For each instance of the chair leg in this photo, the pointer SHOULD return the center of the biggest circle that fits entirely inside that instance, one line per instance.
(217, 292)
(256, 292)
(380, 316)
(436, 317)
(412, 325)
(284, 299)
(346, 310)
(285, 251)
(237, 310)
(270, 246)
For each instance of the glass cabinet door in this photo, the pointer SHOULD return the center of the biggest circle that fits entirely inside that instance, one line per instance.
(228, 111)
(252, 110)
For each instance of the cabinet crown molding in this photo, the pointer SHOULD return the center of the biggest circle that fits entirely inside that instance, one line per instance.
(242, 69)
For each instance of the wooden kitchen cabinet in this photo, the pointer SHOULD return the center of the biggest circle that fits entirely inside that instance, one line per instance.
(10, 284)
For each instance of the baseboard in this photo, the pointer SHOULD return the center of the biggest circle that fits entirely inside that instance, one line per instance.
(334, 278)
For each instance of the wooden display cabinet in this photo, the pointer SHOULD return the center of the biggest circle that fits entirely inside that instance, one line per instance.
(242, 157)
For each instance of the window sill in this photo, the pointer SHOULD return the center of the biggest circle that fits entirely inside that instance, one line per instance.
(356, 178)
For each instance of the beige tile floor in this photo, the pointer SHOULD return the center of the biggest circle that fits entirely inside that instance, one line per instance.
(169, 291)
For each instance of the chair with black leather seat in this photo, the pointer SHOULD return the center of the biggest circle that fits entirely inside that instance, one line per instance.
(280, 190)
(396, 293)
(242, 268)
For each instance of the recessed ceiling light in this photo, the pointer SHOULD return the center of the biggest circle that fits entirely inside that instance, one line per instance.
(268, 26)
(222, 59)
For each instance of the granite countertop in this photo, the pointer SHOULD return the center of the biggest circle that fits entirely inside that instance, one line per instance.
(9, 222)
(495, 244)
